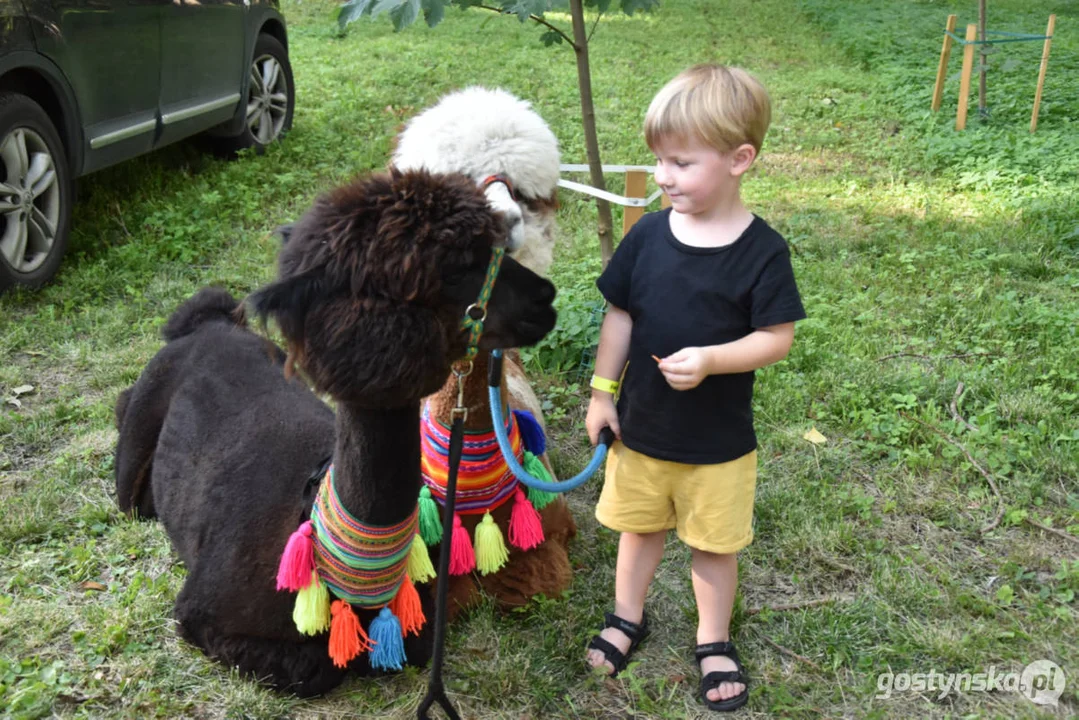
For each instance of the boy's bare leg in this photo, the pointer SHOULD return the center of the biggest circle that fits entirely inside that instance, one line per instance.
(638, 558)
(715, 579)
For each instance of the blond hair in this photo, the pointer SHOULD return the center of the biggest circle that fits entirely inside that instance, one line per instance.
(720, 106)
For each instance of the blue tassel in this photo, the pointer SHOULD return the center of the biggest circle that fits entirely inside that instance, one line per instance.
(388, 652)
(531, 432)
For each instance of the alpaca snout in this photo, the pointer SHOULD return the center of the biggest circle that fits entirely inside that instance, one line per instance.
(515, 231)
(546, 293)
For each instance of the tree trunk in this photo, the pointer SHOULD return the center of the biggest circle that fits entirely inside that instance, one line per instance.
(591, 143)
(984, 59)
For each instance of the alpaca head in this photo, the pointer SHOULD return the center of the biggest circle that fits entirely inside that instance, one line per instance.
(482, 132)
(375, 278)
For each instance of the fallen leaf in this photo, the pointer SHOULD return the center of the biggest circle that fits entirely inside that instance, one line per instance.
(13, 401)
(91, 585)
(22, 390)
(815, 437)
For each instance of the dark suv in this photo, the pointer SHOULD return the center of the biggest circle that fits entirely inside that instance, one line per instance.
(85, 84)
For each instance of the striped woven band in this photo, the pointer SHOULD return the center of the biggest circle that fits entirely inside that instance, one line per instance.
(361, 564)
(484, 481)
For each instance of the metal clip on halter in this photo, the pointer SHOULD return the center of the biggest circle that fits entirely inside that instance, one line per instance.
(461, 410)
(494, 398)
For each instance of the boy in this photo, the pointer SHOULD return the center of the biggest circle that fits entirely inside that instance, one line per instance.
(701, 295)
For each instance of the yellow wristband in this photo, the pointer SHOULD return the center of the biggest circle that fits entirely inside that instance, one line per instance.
(604, 384)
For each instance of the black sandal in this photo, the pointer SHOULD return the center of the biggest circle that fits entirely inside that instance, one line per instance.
(636, 632)
(714, 679)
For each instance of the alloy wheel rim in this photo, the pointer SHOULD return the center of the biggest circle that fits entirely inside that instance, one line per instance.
(29, 200)
(267, 100)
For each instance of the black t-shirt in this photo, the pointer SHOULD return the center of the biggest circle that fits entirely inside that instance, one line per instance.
(682, 296)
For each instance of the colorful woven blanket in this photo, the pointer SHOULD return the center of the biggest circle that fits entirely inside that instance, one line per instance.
(364, 565)
(484, 482)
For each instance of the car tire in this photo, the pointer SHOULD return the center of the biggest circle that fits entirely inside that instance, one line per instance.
(35, 194)
(269, 104)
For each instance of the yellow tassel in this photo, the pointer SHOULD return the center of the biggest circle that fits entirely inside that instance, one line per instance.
(312, 611)
(491, 553)
(419, 565)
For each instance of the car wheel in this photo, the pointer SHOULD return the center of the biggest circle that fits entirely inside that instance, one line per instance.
(271, 98)
(35, 194)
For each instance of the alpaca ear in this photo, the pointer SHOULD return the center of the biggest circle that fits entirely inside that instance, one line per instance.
(288, 302)
(284, 232)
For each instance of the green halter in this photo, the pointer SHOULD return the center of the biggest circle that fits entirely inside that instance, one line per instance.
(476, 313)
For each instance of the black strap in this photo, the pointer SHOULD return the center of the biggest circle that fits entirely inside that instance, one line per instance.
(634, 631)
(613, 655)
(436, 690)
(310, 488)
(723, 647)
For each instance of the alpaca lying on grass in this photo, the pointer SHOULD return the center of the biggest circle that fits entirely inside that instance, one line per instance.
(505, 147)
(221, 442)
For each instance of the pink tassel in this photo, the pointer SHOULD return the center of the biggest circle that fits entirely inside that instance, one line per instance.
(298, 560)
(462, 556)
(526, 528)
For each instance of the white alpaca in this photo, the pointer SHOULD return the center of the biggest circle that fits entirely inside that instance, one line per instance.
(482, 132)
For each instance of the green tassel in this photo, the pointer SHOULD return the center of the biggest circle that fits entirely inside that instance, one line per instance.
(419, 566)
(491, 553)
(312, 610)
(430, 520)
(535, 467)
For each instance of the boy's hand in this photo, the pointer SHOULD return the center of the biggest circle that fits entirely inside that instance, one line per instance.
(601, 414)
(685, 369)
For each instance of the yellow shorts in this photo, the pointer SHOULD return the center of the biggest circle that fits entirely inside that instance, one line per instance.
(711, 506)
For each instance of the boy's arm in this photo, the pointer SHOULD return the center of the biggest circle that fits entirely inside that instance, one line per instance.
(613, 348)
(762, 347)
(610, 361)
(686, 368)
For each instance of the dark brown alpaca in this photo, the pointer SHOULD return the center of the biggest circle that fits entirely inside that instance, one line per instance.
(218, 440)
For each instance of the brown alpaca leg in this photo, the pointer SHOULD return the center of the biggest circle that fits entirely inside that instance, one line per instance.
(303, 667)
(558, 523)
(543, 570)
(462, 595)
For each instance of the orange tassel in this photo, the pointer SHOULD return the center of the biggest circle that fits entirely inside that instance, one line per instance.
(347, 637)
(406, 606)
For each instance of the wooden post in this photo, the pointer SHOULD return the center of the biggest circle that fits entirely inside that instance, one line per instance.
(964, 79)
(635, 187)
(1041, 72)
(942, 68)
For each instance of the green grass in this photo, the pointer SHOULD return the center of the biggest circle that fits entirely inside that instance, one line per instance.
(926, 258)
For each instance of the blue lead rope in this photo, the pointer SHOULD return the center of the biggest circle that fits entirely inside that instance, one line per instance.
(494, 398)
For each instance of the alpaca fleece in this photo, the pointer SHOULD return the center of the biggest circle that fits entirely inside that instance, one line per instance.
(219, 436)
(482, 132)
